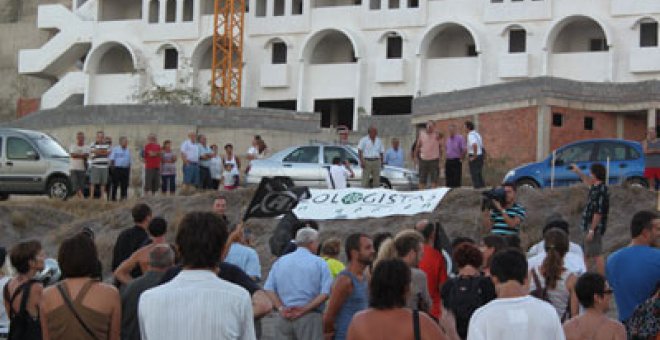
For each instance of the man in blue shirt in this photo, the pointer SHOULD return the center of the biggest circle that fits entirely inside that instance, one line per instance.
(298, 285)
(634, 271)
(120, 163)
(394, 155)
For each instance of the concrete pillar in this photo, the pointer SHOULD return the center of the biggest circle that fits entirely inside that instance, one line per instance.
(651, 118)
(620, 125)
(543, 123)
(418, 75)
(162, 11)
(270, 7)
(300, 101)
(288, 7)
(179, 10)
(358, 94)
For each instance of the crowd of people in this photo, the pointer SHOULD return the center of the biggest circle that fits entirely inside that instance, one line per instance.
(415, 284)
(102, 170)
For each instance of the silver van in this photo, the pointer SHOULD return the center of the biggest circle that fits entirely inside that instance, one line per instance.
(32, 163)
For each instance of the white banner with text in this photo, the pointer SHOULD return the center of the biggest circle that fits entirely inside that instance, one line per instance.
(355, 203)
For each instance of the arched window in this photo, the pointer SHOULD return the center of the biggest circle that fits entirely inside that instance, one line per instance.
(170, 59)
(188, 8)
(170, 11)
(154, 10)
(648, 33)
(279, 52)
(517, 40)
(333, 48)
(394, 46)
(453, 41)
(116, 59)
(581, 34)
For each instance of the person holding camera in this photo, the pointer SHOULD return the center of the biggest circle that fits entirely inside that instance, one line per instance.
(502, 215)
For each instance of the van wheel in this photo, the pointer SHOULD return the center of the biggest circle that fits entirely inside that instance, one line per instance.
(526, 183)
(58, 187)
(637, 182)
(4, 197)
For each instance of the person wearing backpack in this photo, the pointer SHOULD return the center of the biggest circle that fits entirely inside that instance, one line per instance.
(22, 294)
(469, 290)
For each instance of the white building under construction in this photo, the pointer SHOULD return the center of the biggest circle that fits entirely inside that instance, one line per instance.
(341, 57)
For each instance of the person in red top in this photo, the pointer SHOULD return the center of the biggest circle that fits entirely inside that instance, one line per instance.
(152, 159)
(433, 264)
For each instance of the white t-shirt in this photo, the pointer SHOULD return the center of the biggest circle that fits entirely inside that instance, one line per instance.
(573, 261)
(78, 163)
(475, 138)
(339, 175)
(371, 149)
(215, 167)
(190, 150)
(515, 318)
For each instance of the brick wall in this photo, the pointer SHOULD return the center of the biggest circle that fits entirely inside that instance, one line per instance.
(510, 135)
(572, 129)
(634, 127)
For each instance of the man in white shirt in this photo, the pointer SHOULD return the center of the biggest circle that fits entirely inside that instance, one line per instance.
(79, 153)
(574, 259)
(197, 304)
(370, 150)
(190, 157)
(514, 314)
(337, 175)
(475, 151)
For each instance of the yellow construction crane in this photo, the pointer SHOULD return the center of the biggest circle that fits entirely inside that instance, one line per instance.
(227, 67)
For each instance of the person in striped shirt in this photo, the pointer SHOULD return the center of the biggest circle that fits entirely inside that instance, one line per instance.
(505, 219)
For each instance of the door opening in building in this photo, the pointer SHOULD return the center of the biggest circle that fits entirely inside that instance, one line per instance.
(335, 112)
(384, 106)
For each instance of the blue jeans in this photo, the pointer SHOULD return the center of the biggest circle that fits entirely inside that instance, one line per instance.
(191, 174)
(168, 183)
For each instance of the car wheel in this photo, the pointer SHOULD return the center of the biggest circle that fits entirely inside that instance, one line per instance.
(58, 188)
(4, 197)
(526, 183)
(637, 182)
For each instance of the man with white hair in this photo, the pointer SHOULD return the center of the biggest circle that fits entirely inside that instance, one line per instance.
(298, 284)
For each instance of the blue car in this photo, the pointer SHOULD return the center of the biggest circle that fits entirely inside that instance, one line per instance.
(626, 164)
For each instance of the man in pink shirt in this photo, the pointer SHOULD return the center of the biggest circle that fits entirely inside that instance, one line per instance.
(428, 149)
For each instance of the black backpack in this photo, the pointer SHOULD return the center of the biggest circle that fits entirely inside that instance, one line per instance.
(23, 326)
(465, 296)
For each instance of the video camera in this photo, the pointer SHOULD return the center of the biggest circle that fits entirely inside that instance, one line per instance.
(495, 194)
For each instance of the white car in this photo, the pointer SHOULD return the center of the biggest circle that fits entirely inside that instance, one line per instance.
(307, 166)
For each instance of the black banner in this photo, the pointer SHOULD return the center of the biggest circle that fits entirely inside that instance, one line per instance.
(274, 197)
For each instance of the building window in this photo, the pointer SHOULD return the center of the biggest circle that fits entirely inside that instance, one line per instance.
(297, 7)
(394, 47)
(517, 41)
(279, 53)
(154, 8)
(393, 4)
(171, 61)
(471, 50)
(588, 123)
(648, 34)
(261, 8)
(557, 119)
(598, 45)
(374, 4)
(496, 1)
(188, 8)
(170, 11)
(413, 3)
(278, 11)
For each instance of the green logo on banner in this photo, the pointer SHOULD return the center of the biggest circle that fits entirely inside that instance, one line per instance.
(351, 198)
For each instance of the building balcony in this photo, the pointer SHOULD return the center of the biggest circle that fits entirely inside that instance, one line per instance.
(274, 75)
(581, 66)
(332, 80)
(645, 59)
(450, 74)
(636, 7)
(513, 65)
(390, 71)
(513, 11)
(121, 88)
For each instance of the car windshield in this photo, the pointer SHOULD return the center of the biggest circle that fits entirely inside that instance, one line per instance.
(50, 147)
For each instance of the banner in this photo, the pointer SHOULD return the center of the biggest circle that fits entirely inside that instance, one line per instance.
(274, 197)
(355, 203)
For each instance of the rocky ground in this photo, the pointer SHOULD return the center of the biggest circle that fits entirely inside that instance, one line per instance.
(50, 221)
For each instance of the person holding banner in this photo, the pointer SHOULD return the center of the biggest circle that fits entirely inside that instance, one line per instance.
(338, 174)
(370, 150)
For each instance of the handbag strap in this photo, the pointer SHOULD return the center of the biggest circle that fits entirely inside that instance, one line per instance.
(537, 282)
(416, 330)
(67, 300)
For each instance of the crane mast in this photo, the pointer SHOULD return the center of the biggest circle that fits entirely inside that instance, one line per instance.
(227, 63)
